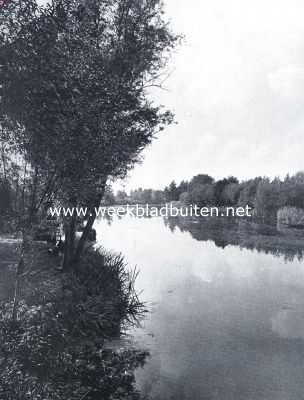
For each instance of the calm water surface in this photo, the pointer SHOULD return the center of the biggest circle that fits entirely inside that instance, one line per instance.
(227, 308)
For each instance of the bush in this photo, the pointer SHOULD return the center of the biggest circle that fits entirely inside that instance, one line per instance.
(291, 216)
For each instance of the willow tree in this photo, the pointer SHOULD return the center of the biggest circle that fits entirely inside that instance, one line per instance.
(75, 77)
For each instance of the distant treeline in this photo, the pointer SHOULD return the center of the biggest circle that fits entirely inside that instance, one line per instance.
(266, 196)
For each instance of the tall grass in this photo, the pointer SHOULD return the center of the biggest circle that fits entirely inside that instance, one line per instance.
(106, 287)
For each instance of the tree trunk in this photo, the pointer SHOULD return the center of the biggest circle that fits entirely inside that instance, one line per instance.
(23, 191)
(67, 249)
(69, 242)
(88, 227)
(20, 269)
(16, 205)
(19, 272)
(33, 210)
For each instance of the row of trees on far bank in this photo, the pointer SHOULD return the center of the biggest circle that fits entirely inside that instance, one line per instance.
(266, 196)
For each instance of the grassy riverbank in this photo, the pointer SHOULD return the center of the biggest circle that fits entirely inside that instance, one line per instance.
(55, 348)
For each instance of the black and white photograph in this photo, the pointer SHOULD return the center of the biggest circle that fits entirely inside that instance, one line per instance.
(151, 200)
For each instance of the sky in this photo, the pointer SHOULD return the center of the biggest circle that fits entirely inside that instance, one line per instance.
(236, 86)
(237, 90)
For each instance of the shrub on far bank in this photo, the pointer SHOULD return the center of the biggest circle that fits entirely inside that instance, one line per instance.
(291, 216)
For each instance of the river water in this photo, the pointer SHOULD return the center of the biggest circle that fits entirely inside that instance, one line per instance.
(226, 301)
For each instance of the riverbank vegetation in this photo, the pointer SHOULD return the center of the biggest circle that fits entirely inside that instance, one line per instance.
(53, 337)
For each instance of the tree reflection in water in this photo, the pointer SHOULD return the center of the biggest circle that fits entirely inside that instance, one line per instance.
(270, 239)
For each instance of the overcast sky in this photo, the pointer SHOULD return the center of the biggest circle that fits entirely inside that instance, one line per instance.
(237, 90)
